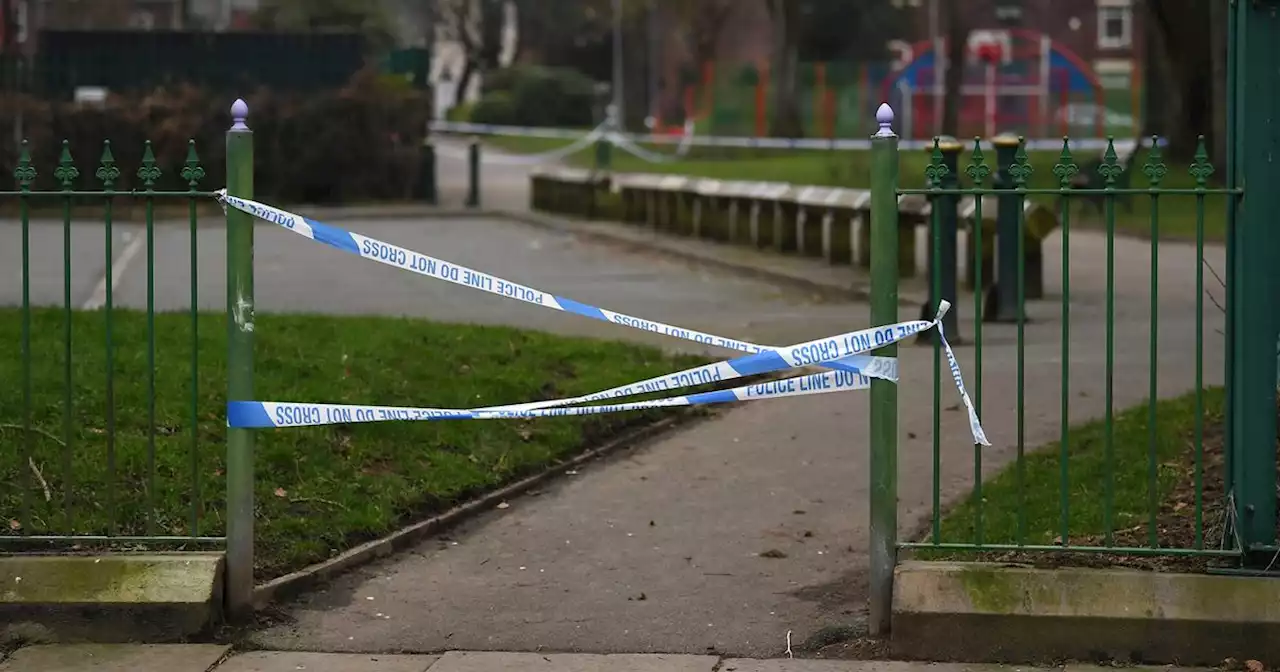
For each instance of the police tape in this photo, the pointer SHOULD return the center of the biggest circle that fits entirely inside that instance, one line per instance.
(528, 159)
(625, 144)
(747, 142)
(265, 414)
(399, 257)
(842, 352)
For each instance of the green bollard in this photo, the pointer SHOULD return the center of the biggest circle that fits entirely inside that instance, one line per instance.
(1002, 299)
(942, 248)
(473, 173)
(430, 188)
(604, 155)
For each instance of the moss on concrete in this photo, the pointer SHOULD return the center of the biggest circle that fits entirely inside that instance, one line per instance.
(109, 579)
(989, 589)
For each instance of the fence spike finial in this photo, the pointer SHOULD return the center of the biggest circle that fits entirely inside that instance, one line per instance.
(884, 117)
(239, 114)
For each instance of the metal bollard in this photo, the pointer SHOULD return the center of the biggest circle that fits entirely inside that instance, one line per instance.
(430, 189)
(942, 246)
(473, 173)
(604, 155)
(1002, 299)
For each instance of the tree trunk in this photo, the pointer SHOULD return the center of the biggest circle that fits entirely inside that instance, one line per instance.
(464, 81)
(786, 55)
(1188, 103)
(953, 77)
(1218, 70)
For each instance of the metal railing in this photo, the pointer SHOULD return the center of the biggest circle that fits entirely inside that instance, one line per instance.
(96, 452)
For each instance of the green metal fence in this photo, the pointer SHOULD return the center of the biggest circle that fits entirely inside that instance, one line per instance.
(102, 411)
(1133, 455)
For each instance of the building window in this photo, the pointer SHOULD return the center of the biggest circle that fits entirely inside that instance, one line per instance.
(1115, 24)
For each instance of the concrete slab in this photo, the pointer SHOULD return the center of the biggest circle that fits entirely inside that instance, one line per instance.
(292, 661)
(115, 658)
(798, 665)
(979, 611)
(739, 664)
(456, 661)
(157, 598)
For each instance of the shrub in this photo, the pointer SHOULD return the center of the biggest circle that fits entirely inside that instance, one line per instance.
(358, 143)
(531, 95)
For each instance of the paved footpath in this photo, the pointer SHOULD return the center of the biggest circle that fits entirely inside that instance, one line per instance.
(202, 658)
(660, 550)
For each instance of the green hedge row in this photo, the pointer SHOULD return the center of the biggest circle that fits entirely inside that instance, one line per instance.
(358, 143)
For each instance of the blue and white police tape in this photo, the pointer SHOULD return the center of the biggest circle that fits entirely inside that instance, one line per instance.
(399, 257)
(819, 352)
(843, 144)
(527, 159)
(261, 414)
(624, 143)
(839, 352)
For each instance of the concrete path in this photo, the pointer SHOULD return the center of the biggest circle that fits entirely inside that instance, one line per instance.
(660, 550)
(202, 658)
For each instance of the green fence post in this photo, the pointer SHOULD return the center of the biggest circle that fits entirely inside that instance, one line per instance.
(884, 394)
(1007, 220)
(604, 154)
(473, 173)
(240, 442)
(942, 243)
(1252, 310)
(430, 189)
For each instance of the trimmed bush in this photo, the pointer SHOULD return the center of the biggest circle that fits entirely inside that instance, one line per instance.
(531, 95)
(357, 143)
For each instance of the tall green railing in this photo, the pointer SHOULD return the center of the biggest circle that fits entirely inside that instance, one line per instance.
(1132, 456)
(106, 427)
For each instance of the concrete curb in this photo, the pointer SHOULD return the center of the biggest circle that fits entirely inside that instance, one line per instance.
(975, 611)
(290, 585)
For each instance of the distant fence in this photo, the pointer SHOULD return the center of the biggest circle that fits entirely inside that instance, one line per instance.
(143, 60)
(839, 99)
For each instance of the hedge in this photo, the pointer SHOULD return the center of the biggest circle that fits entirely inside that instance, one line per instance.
(357, 143)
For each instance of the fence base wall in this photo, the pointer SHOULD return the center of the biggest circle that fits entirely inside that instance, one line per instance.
(110, 598)
(978, 612)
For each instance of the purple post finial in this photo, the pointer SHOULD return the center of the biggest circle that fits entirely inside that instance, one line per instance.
(884, 117)
(239, 113)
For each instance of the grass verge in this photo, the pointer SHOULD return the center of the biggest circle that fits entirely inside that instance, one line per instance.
(1040, 495)
(319, 490)
(1177, 216)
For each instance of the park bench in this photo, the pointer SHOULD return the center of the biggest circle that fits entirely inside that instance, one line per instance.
(652, 199)
(573, 191)
(827, 222)
(824, 222)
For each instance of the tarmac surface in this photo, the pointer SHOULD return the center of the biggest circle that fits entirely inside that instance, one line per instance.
(660, 549)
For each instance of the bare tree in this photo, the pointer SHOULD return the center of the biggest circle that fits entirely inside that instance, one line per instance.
(786, 61)
(477, 26)
(953, 76)
(1184, 67)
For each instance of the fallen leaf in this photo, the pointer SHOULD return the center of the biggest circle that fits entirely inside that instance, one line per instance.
(1253, 666)
(15, 525)
(280, 492)
(503, 505)
(773, 553)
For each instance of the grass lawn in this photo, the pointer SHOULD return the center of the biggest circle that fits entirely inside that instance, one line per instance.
(319, 490)
(1087, 465)
(851, 169)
